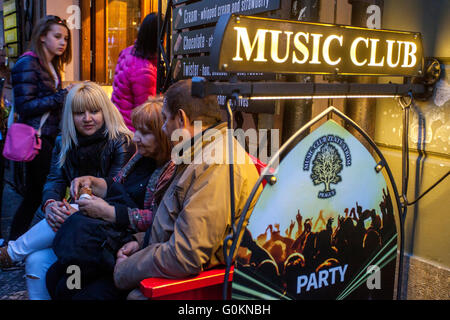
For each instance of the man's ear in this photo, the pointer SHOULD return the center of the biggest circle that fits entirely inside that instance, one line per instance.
(182, 118)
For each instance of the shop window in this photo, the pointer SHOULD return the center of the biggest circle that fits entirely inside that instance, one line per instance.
(123, 20)
(108, 27)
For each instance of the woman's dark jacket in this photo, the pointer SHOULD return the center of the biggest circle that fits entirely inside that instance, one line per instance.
(114, 154)
(35, 94)
(129, 187)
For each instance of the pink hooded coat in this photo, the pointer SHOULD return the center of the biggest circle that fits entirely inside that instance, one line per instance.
(134, 82)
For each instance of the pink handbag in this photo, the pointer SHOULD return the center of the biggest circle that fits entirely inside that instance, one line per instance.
(23, 142)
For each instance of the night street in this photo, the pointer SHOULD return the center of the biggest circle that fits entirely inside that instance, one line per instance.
(235, 150)
(12, 283)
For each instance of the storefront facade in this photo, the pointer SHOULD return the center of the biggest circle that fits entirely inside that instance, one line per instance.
(102, 28)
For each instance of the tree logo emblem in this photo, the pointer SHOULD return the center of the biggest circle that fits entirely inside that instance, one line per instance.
(327, 163)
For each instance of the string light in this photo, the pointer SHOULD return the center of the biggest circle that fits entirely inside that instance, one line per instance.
(320, 97)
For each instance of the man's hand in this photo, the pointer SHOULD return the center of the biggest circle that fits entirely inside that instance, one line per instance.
(127, 250)
(97, 208)
(123, 254)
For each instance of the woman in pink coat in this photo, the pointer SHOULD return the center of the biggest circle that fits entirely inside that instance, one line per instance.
(135, 76)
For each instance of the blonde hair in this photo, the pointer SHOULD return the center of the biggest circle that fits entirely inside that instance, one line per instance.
(89, 96)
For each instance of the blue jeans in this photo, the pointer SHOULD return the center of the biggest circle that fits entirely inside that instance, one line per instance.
(35, 247)
(36, 266)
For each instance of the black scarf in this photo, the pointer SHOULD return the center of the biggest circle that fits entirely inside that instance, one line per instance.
(86, 157)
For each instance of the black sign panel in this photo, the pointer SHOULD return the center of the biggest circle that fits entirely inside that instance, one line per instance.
(199, 40)
(246, 44)
(200, 67)
(193, 38)
(247, 105)
(205, 12)
(175, 2)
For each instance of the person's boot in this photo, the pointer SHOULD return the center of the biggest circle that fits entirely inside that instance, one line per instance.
(5, 259)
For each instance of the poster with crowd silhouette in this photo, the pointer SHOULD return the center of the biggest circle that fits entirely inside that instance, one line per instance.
(324, 230)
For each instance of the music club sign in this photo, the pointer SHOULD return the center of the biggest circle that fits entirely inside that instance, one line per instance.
(244, 43)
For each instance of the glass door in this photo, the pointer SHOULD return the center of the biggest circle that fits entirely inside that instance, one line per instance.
(108, 27)
(123, 20)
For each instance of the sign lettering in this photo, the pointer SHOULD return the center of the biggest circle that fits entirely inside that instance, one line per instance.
(193, 41)
(204, 12)
(200, 67)
(268, 45)
(246, 105)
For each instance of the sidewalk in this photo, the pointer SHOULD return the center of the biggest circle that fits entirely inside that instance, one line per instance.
(12, 283)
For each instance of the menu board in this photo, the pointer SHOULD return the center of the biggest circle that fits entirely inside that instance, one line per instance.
(209, 11)
(188, 67)
(192, 39)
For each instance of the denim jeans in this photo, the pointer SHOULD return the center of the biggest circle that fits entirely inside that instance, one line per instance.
(35, 246)
(36, 266)
(39, 237)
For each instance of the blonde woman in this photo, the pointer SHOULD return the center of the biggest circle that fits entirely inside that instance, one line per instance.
(126, 202)
(94, 141)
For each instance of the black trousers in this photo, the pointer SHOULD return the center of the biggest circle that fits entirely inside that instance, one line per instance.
(98, 286)
(2, 182)
(36, 173)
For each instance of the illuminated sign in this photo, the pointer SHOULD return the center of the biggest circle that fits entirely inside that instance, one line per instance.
(313, 234)
(250, 44)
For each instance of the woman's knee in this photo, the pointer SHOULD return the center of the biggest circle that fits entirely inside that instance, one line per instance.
(38, 262)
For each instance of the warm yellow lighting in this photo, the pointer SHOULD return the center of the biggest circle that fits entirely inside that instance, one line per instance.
(326, 49)
(410, 51)
(242, 37)
(316, 44)
(350, 96)
(287, 48)
(353, 51)
(300, 47)
(274, 46)
(373, 54)
(390, 45)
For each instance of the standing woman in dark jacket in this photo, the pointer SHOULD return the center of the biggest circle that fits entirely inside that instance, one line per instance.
(36, 79)
(94, 141)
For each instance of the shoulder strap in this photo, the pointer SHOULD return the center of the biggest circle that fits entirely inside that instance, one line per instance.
(11, 114)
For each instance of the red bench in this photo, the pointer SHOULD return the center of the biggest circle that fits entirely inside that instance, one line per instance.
(208, 285)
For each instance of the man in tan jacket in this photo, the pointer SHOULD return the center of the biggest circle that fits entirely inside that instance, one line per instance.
(193, 217)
